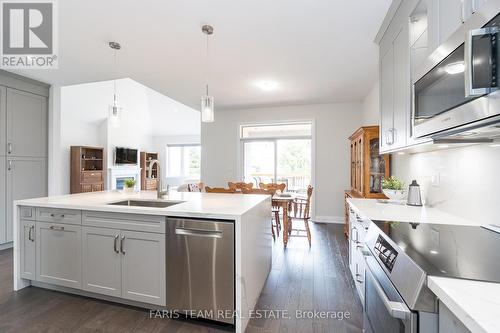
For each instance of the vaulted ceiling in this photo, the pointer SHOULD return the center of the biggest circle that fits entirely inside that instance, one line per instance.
(316, 51)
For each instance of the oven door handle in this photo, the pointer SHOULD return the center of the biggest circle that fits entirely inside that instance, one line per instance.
(397, 310)
(469, 89)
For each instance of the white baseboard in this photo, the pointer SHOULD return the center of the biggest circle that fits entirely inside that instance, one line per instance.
(6, 246)
(329, 219)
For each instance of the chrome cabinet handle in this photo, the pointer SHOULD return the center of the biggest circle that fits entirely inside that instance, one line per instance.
(394, 135)
(358, 278)
(121, 244)
(56, 228)
(115, 248)
(473, 6)
(9, 148)
(54, 215)
(30, 233)
(198, 233)
(10, 166)
(463, 11)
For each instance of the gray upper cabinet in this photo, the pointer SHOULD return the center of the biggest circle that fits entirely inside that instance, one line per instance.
(102, 261)
(401, 88)
(26, 178)
(386, 98)
(27, 248)
(451, 16)
(143, 280)
(59, 254)
(3, 121)
(26, 124)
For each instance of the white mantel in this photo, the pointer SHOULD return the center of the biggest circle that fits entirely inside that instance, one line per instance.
(116, 172)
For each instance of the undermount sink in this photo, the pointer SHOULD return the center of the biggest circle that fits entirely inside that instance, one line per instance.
(146, 203)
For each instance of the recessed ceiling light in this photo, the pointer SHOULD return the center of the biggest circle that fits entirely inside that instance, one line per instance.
(495, 145)
(267, 85)
(443, 146)
(401, 153)
(434, 252)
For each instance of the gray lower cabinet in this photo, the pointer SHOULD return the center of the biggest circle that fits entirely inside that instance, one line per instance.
(126, 264)
(3, 212)
(143, 267)
(3, 121)
(26, 178)
(448, 322)
(28, 249)
(59, 254)
(102, 261)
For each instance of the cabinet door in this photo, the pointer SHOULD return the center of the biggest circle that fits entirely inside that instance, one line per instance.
(26, 124)
(3, 120)
(451, 16)
(101, 261)
(59, 254)
(26, 178)
(386, 98)
(401, 87)
(143, 267)
(86, 188)
(27, 247)
(3, 212)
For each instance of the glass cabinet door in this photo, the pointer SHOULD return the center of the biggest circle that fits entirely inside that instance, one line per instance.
(376, 167)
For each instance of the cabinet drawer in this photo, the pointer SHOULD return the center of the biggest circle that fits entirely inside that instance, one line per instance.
(132, 222)
(91, 177)
(86, 188)
(27, 213)
(67, 216)
(97, 187)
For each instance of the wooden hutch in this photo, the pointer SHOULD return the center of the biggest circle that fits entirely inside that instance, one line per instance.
(368, 168)
(149, 182)
(87, 169)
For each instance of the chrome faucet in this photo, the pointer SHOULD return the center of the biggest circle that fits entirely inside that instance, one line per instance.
(159, 191)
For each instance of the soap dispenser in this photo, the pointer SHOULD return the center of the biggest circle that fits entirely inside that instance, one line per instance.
(414, 196)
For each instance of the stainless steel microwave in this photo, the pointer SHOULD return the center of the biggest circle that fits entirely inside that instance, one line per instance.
(455, 90)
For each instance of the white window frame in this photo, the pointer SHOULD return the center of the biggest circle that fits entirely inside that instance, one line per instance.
(167, 164)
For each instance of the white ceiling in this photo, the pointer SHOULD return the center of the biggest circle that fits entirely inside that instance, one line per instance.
(317, 51)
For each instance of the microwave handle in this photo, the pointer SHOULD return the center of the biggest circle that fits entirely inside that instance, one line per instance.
(470, 91)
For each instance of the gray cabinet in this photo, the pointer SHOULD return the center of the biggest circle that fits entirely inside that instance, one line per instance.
(143, 267)
(401, 88)
(27, 249)
(386, 98)
(59, 254)
(448, 322)
(26, 124)
(3, 121)
(3, 212)
(102, 261)
(26, 178)
(126, 264)
(451, 16)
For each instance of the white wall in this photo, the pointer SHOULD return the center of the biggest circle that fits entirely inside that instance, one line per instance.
(333, 125)
(79, 117)
(371, 107)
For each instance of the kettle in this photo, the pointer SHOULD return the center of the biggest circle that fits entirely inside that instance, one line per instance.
(414, 196)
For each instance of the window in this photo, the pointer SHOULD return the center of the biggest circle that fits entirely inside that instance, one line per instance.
(277, 153)
(184, 161)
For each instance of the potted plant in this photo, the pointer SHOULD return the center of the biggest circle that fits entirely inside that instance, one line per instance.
(129, 185)
(393, 188)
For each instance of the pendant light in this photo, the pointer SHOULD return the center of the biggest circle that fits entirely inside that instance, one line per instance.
(114, 109)
(207, 101)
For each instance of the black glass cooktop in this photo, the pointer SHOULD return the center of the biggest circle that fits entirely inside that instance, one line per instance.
(467, 252)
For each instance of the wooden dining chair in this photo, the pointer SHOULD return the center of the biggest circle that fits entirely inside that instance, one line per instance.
(301, 209)
(219, 190)
(276, 209)
(239, 186)
(268, 192)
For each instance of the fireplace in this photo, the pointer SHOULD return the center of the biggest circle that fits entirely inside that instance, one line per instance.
(119, 174)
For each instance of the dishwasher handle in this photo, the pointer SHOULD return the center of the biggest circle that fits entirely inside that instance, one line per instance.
(198, 233)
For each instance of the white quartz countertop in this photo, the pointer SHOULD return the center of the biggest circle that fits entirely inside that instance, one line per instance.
(205, 205)
(476, 304)
(372, 209)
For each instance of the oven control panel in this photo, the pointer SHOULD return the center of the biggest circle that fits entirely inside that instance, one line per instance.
(385, 252)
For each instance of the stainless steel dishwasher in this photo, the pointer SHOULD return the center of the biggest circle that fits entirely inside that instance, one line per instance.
(200, 268)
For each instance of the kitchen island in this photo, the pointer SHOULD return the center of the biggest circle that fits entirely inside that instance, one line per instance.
(113, 245)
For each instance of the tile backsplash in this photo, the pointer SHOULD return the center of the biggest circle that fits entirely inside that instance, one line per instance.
(462, 181)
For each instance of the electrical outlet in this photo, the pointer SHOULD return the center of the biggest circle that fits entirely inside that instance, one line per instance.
(436, 179)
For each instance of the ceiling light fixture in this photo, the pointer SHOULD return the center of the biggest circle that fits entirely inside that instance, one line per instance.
(114, 109)
(267, 85)
(207, 101)
(443, 146)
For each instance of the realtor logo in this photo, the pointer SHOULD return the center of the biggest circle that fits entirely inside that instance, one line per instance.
(28, 34)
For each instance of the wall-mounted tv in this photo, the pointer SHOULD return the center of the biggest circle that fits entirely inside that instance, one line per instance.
(125, 155)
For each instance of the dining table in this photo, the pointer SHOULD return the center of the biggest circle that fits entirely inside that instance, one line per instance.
(284, 201)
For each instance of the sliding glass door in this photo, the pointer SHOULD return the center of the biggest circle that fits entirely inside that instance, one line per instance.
(278, 161)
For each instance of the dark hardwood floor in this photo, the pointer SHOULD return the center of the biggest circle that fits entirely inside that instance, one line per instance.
(301, 279)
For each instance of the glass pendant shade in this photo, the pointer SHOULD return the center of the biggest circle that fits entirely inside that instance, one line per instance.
(207, 109)
(114, 115)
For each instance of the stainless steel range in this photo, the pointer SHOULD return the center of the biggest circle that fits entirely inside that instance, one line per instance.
(399, 257)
